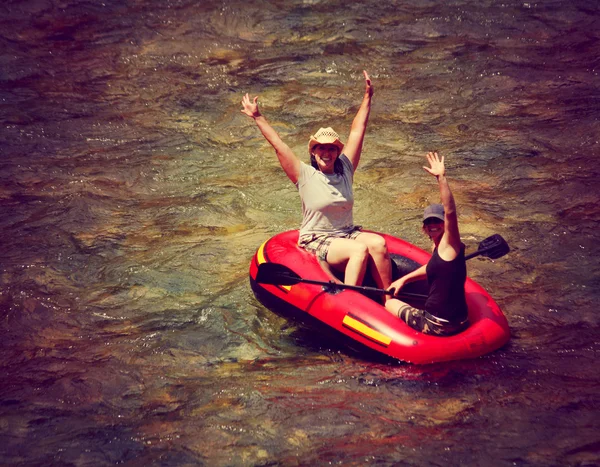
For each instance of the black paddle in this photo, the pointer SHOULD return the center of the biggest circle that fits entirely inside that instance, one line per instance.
(492, 247)
(278, 274)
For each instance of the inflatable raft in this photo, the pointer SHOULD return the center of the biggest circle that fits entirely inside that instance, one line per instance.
(357, 317)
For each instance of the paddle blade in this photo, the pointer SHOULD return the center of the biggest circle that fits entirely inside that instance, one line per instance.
(276, 274)
(495, 247)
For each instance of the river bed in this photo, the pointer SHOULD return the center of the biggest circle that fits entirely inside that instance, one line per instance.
(134, 194)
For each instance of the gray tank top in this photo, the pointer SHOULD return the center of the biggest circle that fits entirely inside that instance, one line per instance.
(327, 200)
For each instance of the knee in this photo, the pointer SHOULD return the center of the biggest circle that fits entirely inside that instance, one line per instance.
(378, 247)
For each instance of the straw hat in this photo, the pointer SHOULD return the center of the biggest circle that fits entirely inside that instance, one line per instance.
(325, 136)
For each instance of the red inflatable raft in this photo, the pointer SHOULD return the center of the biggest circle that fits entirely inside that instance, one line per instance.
(358, 318)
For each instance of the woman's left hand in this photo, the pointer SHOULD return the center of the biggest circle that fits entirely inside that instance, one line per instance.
(250, 107)
(436, 165)
(368, 84)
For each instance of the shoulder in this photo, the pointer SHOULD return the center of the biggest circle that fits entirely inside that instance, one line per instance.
(448, 251)
(346, 163)
(306, 172)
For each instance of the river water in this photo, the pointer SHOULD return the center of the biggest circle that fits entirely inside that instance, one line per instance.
(134, 193)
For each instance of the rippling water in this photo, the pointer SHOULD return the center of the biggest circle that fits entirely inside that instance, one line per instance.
(134, 193)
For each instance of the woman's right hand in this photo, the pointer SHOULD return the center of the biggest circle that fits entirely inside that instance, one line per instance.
(397, 286)
(250, 106)
(368, 84)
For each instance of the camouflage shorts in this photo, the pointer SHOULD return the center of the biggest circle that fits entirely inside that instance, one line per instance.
(318, 244)
(426, 323)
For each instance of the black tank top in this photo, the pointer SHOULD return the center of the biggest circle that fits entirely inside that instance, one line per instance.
(447, 287)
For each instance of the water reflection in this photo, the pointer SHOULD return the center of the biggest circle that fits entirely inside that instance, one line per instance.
(134, 193)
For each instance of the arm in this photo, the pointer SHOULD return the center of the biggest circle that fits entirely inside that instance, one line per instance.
(416, 275)
(354, 145)
(450, 244)
(288, 160)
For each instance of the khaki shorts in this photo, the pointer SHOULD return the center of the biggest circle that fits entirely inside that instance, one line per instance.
(318, 244)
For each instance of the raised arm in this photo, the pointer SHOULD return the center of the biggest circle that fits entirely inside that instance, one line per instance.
(450, 243)
(354, 145)
(288, 160)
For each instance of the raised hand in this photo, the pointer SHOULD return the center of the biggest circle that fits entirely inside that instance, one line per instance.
(250, 106)
(436, 165)
(368, 84)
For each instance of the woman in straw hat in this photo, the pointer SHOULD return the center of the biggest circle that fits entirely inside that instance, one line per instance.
(445, 310)
(325, 188)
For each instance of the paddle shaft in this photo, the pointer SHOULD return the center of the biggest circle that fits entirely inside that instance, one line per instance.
(361, 288)
(278, 274)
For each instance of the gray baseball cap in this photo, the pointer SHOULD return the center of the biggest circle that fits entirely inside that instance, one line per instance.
(434, 210)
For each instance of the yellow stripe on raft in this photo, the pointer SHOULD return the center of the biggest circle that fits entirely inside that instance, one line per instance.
(366, 330)
(260, 257)
(260, 254)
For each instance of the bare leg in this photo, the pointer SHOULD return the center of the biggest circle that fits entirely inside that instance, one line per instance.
(393, 305)
(379, 257)
(349, 256)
